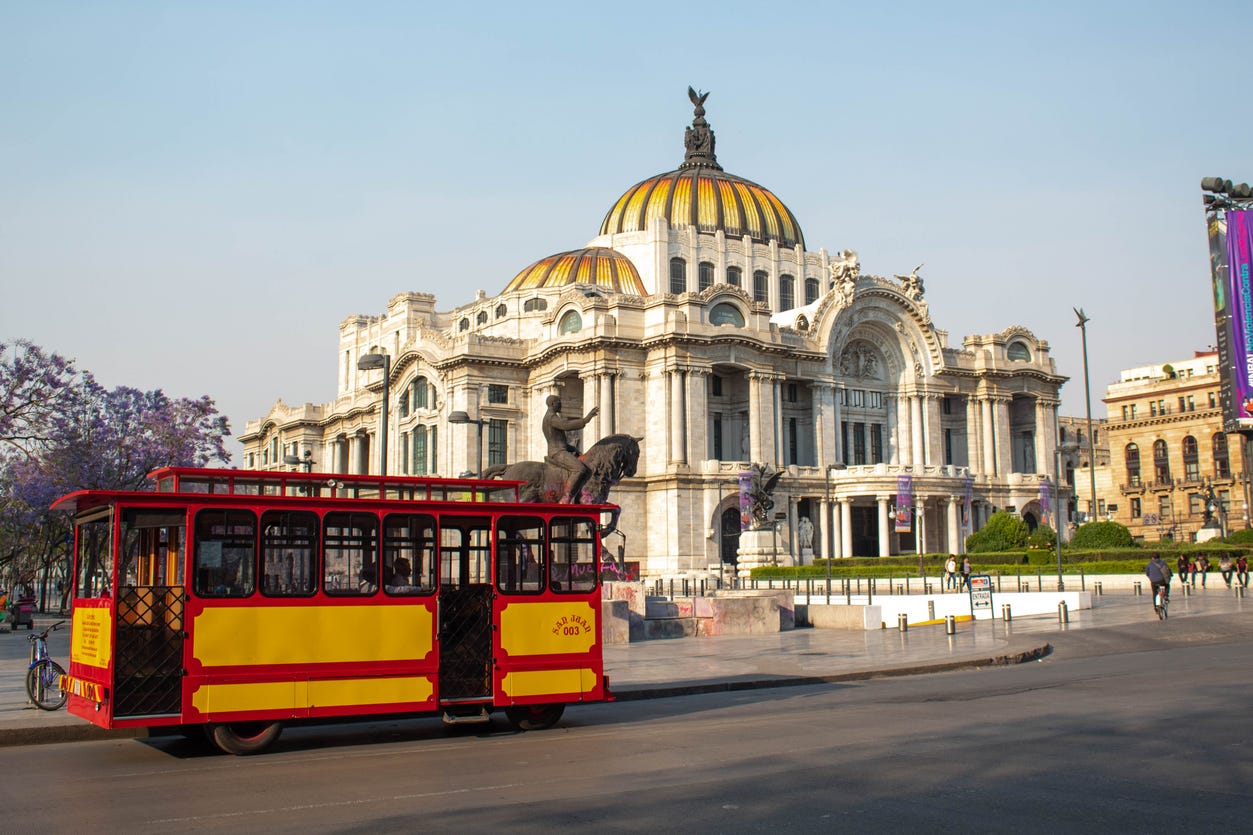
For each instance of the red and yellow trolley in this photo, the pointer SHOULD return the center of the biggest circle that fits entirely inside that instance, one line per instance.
(237, 601)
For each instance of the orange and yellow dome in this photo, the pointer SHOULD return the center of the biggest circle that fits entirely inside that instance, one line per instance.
(709, 199)
(600, 266)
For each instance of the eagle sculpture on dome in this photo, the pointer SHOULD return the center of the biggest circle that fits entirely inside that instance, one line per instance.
(698, 99)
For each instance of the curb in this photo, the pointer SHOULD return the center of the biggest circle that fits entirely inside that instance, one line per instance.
(730, 685)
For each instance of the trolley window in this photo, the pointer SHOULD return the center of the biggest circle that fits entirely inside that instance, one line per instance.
(409, 553)
(94, 559)
(520, 554)
(573, 554)
(465, 545)
(350, 547)
(289, 543)
(150, 547)
(226, 553)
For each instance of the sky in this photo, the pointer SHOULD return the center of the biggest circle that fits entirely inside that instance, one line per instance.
(193, 196)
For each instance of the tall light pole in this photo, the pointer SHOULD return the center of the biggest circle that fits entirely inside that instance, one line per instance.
(460, 417)
(1058, 452)
(1087, 396)
(383, 361)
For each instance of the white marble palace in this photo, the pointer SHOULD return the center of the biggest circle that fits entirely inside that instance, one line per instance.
(699, 319)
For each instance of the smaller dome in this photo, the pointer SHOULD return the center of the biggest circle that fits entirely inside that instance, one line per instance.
(596, 265)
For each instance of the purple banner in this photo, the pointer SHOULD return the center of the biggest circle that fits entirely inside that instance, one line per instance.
(967, 500)
(746, 501)
(1046, 492)
(1231, 254)
(904, 503)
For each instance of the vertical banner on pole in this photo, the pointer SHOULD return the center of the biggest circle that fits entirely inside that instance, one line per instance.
(1046, 492)
(746, 500)
(904, 503)
(967, 501)
(1231, 258)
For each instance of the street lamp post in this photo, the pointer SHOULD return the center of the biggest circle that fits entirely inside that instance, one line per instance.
(1059, 451)
(829, 520)
(306, 462)
(1087, 396)
(460, 417)
(383, 361)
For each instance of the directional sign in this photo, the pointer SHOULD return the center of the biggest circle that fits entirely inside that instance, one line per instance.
(980, 593)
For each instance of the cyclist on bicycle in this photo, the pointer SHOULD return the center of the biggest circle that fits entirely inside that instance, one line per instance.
(1158, 573)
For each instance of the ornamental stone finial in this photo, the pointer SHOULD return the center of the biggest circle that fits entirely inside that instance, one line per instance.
(699, 138)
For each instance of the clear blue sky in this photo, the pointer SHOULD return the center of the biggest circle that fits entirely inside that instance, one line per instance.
(194, 195)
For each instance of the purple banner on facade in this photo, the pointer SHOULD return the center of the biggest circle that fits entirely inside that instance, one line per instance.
(904, 503)
(1046, 492)
(967, 500)
(746, 501)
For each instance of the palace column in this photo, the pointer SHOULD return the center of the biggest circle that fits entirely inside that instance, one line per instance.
(935, 429)
(823, 436)
(1004, 438)
(837, 393)
(917, 449)
(606, 416)
(755, 393)
(990, 467)
(776, 405)
(974, 446)
(697, 418)
(954, 526)
(846, 527)
(892, 454)
(675, 426)
(885, 544)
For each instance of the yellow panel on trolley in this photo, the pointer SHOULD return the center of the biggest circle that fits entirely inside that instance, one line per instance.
(548, 628)
(243, 636)
(524, 683)
(91, 638)
(299, 695)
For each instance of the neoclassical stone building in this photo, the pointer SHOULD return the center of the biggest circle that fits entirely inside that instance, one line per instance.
(698, 319)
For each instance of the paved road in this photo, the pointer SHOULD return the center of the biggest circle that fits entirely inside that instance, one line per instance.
(1135, 726)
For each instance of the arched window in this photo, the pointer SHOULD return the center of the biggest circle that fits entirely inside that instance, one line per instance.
(735, 276)
(571, 322)
(1191, 461)
(761, 286)
(1018, 351)
(463, 325)
(534, 304)
(726, 314)
(1133, 465)
(1161, 462)
(501, 310)
(419, 391)
(678, 275)
(787, 292)
(704, 275)
(481, 318)
(1222, 465)
(811, 290)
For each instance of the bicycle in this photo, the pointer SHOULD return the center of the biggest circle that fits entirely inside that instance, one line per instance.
(1161, 599)
(43, 678)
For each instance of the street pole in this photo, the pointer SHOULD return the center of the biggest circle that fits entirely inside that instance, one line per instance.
(1087, 396)
(1058, 452)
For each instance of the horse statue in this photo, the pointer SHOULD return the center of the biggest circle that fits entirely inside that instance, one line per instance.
(610, 460)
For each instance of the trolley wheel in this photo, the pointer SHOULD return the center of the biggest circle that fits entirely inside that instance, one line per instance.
(534, 717)
(43, 685)
(244, 738)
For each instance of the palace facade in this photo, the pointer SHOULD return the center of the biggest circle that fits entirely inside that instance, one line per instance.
(698, 319)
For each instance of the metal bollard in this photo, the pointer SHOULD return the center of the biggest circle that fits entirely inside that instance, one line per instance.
(930, 588)
(1239, 591)
(1096, 587)
(950, 625)
(930, 610)
(1007, 613)
(902, 622)
(1187, 590)
(1063, 612)
(1137, 589)
(900, 589)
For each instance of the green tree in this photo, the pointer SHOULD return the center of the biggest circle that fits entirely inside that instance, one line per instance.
(1003, 532)
(1102, 535)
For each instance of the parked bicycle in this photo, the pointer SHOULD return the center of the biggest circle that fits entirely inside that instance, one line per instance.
(43, 679)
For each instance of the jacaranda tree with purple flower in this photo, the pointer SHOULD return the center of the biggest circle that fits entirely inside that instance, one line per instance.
(89, 438)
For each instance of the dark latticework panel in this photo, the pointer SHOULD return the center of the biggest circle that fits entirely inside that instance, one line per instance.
(148, 667)
(465, 643)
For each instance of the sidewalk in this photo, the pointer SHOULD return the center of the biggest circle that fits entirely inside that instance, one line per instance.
(661, 668)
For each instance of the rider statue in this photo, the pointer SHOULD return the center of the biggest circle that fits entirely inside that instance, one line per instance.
(560, 452)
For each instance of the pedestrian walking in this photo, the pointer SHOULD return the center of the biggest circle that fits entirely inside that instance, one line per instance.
(950, 573)
(966, 569)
